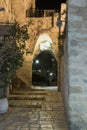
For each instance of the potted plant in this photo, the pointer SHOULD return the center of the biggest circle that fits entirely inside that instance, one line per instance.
(12, 48)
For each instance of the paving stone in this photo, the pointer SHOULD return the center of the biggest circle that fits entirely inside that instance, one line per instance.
(24, 128)
(10, 128)
(25, 125)
(46, 120)
(47, 128)
(59, 129)
(34, 129)
(49, 115)
(34, 125)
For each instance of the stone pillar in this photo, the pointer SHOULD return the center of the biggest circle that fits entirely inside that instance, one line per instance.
(77, 64)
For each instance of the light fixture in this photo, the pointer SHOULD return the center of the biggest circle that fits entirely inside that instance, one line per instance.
(51, 74)
(52, 59)
(39, 70)
(37, 61)
(59, 23)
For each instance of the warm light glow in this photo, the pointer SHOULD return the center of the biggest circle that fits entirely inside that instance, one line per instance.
(43, 38)
(45, 45)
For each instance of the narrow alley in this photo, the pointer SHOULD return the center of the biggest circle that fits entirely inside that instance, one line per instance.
(34, 110)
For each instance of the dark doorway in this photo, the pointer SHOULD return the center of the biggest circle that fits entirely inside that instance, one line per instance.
(44, 70)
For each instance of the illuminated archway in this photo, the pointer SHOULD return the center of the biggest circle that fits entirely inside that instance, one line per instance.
(44, 42)
(44, 66)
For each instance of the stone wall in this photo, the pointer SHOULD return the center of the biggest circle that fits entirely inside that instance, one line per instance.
(64, 78)
(75, 58)
(16, 10)
(77, 68)
(37, 27)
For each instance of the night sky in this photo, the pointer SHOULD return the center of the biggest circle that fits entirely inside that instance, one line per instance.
(52, 4)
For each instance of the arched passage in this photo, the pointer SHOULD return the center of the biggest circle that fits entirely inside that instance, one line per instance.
(44, 69)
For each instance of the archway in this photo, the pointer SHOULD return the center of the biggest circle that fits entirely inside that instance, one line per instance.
(44, 69)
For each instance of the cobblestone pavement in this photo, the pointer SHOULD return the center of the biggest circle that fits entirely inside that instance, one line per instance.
(36, 111)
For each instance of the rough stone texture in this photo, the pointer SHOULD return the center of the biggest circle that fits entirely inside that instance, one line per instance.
(65, 85)
(32, 114)
(77, 50)
(16, 10)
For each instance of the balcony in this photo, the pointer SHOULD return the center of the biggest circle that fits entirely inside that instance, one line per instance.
(40, 13)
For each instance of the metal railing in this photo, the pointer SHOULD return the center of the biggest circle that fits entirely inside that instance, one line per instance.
(39, 13)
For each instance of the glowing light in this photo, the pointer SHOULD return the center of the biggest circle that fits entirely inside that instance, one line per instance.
(37, 61)
(52, 59)
(45, 45)
(39, 70)
(51, 74)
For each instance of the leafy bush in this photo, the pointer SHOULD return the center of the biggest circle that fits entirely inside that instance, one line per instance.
(12, 48)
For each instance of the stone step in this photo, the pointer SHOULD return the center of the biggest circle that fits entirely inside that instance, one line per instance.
(25, 103)
(29, 90)
(35, 89)
(25, 106)
(26, 97)
(27, 93)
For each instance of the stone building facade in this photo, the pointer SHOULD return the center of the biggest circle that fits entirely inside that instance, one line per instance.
(38, 25)
(75, 59)
(73, 62)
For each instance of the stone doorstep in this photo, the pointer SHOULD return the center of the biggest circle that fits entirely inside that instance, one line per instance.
(25, 105)
(27, 93)
(35, 89)
(17, 97)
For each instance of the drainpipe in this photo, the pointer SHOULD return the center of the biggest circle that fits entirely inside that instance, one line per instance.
(52, 19)
(59, 57)
(59, 24)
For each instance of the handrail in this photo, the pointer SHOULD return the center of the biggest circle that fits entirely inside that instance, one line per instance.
(39, 13)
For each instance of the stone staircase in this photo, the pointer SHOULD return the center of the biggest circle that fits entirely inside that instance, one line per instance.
(34, 110)
(27, 99)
